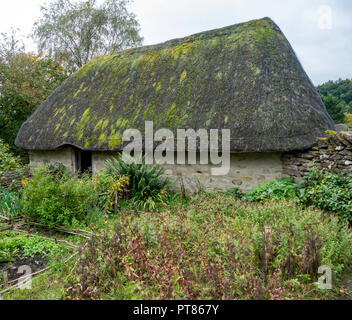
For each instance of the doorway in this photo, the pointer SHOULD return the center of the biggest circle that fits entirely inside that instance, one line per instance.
(83, 161)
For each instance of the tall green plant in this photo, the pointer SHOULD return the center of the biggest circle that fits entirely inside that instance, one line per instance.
(146, 183)
(9, 203)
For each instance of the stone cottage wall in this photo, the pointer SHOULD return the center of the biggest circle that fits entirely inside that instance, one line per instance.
(332, 153)
(247, 169)
(99, 159)
(64, 155)
(246, 172)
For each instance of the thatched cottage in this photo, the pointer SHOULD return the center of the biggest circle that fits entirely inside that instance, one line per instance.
(244, 77)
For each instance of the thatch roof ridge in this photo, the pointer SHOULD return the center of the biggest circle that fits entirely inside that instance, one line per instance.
(208, 34)
(245, 77)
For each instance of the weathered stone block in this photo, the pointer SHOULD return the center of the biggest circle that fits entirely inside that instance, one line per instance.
(324, 156)
(341, 127)
(291, 172)
(237, 182)
(336, 157)
(307, 156)
(346, 152)
(347, 136)
(308, 165)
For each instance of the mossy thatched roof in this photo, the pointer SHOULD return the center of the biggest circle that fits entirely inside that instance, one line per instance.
(245, 77)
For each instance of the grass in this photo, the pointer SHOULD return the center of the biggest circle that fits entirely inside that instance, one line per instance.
(46, 286)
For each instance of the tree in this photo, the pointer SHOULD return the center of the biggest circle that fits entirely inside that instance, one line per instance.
(74, 33)
(26, 80)
(333, 106)
(10, 44)
(337, 96)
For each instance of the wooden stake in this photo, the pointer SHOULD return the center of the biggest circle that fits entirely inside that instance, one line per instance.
(6, 278)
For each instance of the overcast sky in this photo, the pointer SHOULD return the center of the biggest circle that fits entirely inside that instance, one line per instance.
(320, 31)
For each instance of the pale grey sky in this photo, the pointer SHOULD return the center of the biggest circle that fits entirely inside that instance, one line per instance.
(320, 31)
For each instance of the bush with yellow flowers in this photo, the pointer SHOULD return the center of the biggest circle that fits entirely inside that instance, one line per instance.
(119, 189)
(110, 191)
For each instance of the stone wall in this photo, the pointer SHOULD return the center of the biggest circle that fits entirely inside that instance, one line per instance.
(64, 155)
(332, 153)
(246, 172)
(99, 158)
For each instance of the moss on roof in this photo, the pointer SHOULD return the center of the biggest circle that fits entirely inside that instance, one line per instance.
(244, 77)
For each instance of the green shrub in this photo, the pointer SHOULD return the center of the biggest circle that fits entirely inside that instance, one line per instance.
(9, 203)
(236, 192)
(8, 162)
(57, 170)
(146, 186)
(58, 200)
(328, 191)
(283, 188)
(102, 185)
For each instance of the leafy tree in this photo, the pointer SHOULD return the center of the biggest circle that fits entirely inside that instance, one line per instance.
(26, 80)
(341, 89)
(337, 95)
(334, 108)
(75, 32)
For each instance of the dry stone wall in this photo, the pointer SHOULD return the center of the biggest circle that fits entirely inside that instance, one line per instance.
(332, 153)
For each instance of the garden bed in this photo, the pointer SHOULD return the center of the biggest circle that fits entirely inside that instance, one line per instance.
(36, 263)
